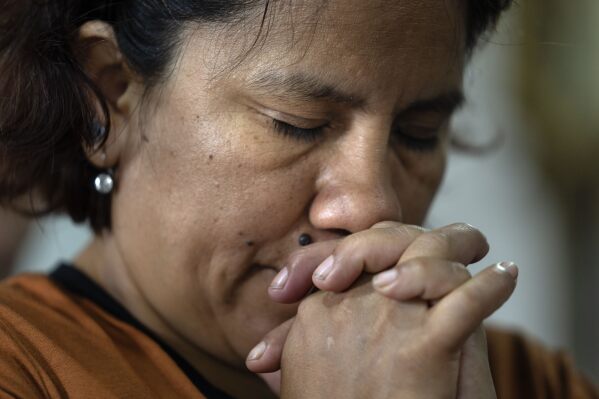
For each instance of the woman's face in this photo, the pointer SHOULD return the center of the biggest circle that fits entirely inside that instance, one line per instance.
(336, 119)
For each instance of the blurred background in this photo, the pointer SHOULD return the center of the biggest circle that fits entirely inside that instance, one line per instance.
(532, 185)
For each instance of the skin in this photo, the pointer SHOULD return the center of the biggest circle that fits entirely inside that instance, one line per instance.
(211, 198)
(403, 349)
(430, 276)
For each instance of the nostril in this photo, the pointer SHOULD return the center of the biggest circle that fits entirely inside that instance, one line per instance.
(340, 232)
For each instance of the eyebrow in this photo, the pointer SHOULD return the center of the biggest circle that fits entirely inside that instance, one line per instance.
(446, 103)
(303, 87)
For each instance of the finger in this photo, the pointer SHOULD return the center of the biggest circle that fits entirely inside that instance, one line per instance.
(457, 315)
(458, 242)
(475, 378)
(368, 251)
(421, 278)
(266, 356)
(294, 281)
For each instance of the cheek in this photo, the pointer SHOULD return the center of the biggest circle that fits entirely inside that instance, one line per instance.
(220, 187)
(218, 197)
(252, 314)
(418, 179)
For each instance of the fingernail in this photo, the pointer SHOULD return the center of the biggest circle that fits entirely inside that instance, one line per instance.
(385, 279)
(280, 280)
(325, 268)
(257, 352)
(508, 267)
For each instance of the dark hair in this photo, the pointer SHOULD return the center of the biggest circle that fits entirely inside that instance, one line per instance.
(48, 104)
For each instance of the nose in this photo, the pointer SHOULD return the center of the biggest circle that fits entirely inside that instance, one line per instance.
(355, 189)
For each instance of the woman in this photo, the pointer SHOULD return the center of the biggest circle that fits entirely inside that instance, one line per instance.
(230, 155)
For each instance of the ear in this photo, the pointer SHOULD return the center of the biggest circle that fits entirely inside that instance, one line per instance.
(101, 58)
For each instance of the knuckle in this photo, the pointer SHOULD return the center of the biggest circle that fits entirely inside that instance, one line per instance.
(302, 309)
(476, 233)
(466, 227)
(307, 308)
(439, 240)
(407, 233)
(416, 267)
(408, 229)
(470, 230)
(473, 300)
(349, 244)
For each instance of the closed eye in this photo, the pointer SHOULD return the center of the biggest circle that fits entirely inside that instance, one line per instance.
(419, 144)
(421, 136)
(299, 133)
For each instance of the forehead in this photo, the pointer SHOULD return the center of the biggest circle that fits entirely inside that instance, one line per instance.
(363, 45)
(385, 25)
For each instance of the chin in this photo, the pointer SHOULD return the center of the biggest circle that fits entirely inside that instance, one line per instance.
(255, 314)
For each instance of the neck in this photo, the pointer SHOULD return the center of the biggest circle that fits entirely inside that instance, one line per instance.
(100, 261)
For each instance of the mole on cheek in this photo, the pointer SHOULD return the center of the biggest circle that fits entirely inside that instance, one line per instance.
(249, 243)
(210, 157)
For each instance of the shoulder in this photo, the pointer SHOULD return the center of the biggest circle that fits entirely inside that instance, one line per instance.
(45, 335)
(524, 368)
(27, 309)
(36, 310)
(54, 343)
(33, 303)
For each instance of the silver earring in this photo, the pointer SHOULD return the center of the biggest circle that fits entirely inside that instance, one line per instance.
(104, 183)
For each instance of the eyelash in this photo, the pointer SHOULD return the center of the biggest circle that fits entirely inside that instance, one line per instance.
(418, 144)
(312, 134)
(299, 133)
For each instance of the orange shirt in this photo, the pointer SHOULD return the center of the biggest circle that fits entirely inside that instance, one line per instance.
(64, 337)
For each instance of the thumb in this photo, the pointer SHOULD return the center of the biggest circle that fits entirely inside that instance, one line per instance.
(266, 356)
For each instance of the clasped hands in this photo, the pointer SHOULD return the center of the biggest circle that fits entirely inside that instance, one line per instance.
(414, 330)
